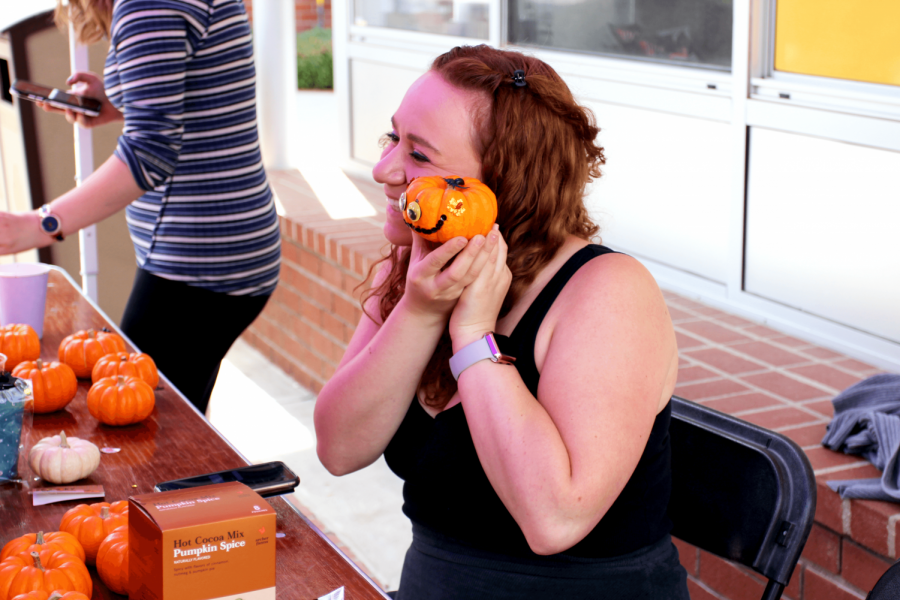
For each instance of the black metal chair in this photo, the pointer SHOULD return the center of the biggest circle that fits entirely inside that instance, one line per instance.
(740, 491)
(888, 585)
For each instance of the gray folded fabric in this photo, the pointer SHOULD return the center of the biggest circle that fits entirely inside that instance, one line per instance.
(867, 422)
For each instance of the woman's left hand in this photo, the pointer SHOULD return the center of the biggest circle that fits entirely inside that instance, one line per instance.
(20, 232)
(479, 305)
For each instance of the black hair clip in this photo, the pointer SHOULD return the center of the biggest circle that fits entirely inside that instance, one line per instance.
(519, 78)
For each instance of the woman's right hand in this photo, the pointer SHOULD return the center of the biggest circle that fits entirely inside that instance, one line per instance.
(432, 288)
(90, 85)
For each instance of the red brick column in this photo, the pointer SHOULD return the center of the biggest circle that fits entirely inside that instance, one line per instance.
(313, 313)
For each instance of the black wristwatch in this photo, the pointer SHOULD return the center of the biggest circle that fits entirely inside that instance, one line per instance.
(50, 223)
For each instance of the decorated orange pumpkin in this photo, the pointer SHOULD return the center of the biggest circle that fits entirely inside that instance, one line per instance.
(442, 208)
(54, 595)
(120, 401)
(40, 541)
(54, 383)
(90, 524)
(45, 571)
(112, 560)
(83, 349)
(135, 364)
(19, 343)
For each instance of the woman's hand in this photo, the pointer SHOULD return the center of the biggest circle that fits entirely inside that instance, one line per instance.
(433, 283)
(88, 85)
(479, 305)
(20, 232)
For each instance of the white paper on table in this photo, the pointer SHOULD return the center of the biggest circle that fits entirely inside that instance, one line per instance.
(42, 496)
(337, 594)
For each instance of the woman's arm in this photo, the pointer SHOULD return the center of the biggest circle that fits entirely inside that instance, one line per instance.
(362, 405)
(106, 191)
(559, 463)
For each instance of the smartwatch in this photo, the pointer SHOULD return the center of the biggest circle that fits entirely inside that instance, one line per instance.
(50, 223)
(484, 349)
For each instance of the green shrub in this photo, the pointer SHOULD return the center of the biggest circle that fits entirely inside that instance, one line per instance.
(314, 61)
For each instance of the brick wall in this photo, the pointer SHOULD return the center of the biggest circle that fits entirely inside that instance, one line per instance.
(305, 11)
(308, 322)
(311, 316)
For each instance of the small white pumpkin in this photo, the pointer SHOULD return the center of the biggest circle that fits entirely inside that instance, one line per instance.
(59, 459)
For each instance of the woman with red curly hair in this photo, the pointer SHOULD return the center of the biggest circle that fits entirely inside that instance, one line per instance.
(549, 478)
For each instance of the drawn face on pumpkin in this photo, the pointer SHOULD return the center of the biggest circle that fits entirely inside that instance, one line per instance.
(432, 134)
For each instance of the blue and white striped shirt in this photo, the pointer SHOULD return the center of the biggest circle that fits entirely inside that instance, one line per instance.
(181, 71)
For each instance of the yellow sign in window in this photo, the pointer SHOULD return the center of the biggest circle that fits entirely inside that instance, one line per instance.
(844, 39)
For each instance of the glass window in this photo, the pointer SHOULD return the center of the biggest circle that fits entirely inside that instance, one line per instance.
(683, 31)
(466, 18)
(840, 39)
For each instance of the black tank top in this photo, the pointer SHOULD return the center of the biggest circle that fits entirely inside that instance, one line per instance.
(446, 489)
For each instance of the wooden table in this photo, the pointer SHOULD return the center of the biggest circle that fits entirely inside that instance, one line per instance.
(176, 441)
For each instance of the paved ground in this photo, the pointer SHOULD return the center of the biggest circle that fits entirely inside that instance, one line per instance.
(268, 416)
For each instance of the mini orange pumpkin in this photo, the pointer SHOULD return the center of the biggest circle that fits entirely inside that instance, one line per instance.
(442, 208)
(120, 401)
(54, 384)
(54, 595)
(40, 541)
(135, 364)
(83, 349)
(112, 560)
(47, 571)
(90, 524)
(19, 343)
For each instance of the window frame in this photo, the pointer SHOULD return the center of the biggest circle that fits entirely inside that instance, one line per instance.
(875, 100)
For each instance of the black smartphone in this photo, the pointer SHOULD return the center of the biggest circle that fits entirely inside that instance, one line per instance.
(266, 479)
(55, 97)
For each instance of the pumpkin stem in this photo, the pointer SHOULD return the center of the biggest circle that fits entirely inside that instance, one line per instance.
(37, 560)
(121, 380)
(63, 443)
(455, 183)
(55, 596)
(40, 364)
(104, 513)
(39, 538)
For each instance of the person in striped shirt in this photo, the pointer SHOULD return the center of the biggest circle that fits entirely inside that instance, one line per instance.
(188, 171)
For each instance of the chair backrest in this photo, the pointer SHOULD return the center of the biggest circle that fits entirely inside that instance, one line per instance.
(888, 586)
(740, 491)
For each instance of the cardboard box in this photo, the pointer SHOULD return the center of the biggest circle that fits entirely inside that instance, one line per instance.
(211, 542)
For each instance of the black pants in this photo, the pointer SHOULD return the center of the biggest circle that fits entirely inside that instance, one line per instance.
(437, 568)
(186, 330)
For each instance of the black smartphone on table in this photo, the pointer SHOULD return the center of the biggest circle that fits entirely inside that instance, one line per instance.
(54, 97)
(266, 479)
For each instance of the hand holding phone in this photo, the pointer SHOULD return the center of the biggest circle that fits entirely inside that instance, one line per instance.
(56, 98)
(91, 106)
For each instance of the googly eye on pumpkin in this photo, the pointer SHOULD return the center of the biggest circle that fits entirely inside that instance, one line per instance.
(402, 201)
(414, 212)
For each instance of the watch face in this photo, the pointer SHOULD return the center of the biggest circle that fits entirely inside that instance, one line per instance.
(50, 224)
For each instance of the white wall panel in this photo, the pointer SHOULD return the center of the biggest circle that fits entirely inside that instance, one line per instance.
(376, 91)
(822, 229)
(666, 188)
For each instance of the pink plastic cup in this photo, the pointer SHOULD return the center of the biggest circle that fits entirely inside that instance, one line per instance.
(23, 294)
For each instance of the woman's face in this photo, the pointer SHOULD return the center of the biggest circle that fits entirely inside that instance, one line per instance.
(432, 133)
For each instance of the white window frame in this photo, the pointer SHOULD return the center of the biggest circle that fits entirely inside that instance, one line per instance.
(871, 111)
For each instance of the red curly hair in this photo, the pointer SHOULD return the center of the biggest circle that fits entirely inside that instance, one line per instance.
(538, 152)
